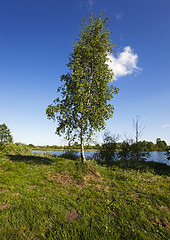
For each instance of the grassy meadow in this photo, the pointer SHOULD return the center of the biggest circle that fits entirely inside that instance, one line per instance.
(43, 197)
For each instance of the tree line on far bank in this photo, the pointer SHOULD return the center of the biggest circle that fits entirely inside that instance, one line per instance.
(147, 146)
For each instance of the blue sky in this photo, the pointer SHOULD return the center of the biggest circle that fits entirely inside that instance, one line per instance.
(36, 38)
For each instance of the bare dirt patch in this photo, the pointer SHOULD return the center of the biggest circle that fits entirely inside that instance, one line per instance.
(81, 183)
(65, 180)
(94, 177)
(4, 190)
(135, 195)
(32, 187)
(100, 187)
(4, 206)
(72, 215)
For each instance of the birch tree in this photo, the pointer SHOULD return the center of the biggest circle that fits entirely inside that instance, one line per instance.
(83, 105)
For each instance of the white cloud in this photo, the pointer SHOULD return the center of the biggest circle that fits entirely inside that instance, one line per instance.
(118, 16)
(124, 64)
(166, 125)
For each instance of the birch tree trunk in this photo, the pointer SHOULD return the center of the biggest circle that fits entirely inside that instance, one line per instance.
(83, 159)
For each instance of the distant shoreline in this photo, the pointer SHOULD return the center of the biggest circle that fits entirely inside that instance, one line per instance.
(61, 149)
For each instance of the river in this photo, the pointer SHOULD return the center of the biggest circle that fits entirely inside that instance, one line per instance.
(154, 156)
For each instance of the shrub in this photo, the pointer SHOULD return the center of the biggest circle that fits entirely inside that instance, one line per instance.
(107, 151)
(132, 151)
(167, 154)
(69, 155)
(16, 148)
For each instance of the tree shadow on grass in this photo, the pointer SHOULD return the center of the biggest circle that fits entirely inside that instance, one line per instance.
(31, 159)
(141, 166)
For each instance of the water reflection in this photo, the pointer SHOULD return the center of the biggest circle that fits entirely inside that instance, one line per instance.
(154, 156)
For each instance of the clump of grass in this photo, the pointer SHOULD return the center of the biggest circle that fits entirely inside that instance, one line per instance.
(55, 198)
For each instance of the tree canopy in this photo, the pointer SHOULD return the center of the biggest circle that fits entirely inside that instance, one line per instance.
(5, 134)
(83, 107)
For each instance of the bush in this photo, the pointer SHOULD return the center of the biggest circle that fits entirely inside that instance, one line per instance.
(108, 150)
(69, 155)
(167, 154)
(15, 148)
(132, 151)
(126, 151)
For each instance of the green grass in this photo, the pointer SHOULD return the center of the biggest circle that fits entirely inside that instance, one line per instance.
(54, 198)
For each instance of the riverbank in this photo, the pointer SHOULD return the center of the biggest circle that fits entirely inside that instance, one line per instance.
(54, 198)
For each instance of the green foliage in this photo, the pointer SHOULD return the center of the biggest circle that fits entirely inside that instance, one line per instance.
(161, 145)
(126, 151)
(168, 153)
(16, 148)
(69, 155)
(5, 134)
(146, 146)
(83, 106)
(107, 151)
(137, 153)
(1, 146)
(149, 146)
(31, 146)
